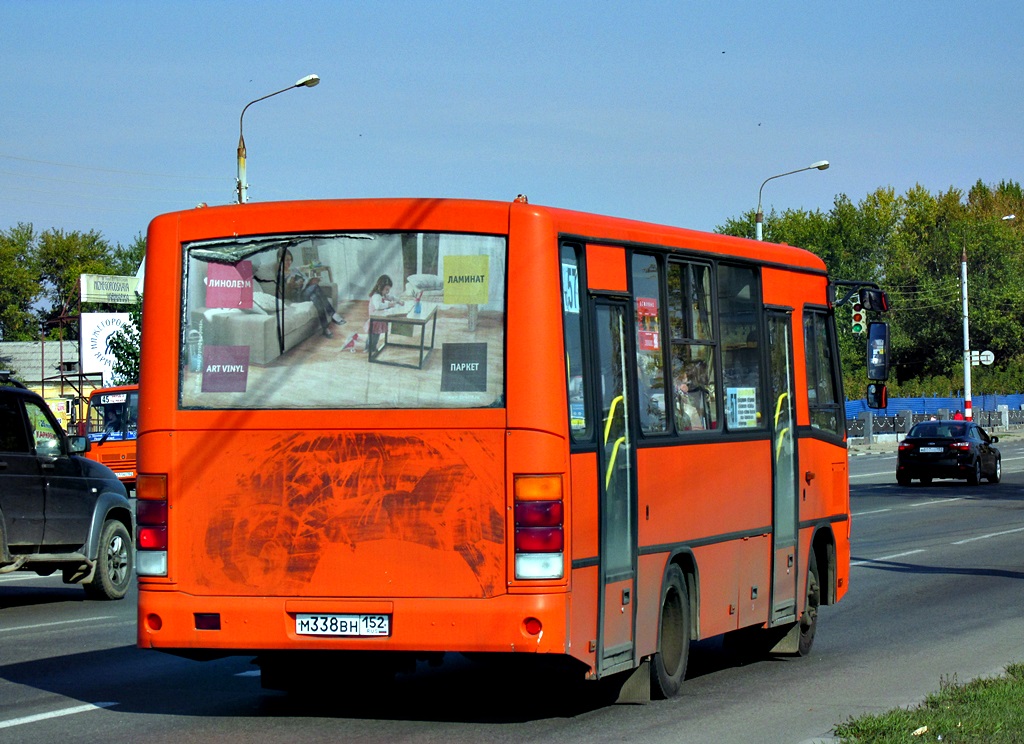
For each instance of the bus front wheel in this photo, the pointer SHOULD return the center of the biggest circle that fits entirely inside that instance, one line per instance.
(668, 665)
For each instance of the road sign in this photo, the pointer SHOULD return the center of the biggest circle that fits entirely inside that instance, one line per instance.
(987, 357)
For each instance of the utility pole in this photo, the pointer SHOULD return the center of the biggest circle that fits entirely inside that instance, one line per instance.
(967, 338)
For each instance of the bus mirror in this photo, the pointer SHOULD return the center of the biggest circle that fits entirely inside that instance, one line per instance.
(877, 396)
(878, 351)
(874, 299)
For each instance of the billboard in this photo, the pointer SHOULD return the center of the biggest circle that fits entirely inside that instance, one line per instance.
(96, 330)
(119, 290)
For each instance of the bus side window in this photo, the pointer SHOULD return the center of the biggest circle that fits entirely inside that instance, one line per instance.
(572, 303)
(650, 353)
(739, 302)
(694, 400)
(822, 373)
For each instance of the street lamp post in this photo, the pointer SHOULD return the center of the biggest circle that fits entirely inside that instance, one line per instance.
(968, 406)
(242, 185)
(820, 165)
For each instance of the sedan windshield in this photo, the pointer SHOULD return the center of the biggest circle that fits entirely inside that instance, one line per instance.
(938, 429)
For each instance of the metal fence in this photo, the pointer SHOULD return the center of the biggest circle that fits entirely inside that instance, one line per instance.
(901, 422)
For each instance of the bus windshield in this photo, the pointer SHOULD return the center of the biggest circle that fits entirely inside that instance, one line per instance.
(369, 320)
(113, 416)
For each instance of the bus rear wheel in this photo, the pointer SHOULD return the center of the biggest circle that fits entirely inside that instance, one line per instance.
(668, 665)
(809, 620)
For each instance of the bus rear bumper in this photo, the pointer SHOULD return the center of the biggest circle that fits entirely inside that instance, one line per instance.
(174, 621)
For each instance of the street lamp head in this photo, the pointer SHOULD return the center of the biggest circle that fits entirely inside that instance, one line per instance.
(759, 217)
(242, 185)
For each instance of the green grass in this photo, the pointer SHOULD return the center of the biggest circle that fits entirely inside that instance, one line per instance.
(985, 710)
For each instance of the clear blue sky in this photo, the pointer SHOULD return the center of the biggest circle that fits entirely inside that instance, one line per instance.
(114, 112)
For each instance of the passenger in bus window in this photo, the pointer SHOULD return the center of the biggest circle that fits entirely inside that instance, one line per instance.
(300, 287)
(690, 409)
(652, 411)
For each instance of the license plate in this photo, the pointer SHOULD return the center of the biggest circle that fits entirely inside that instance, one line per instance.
(930, 450)
(342, 625)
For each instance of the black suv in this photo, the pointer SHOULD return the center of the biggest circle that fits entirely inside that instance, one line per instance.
(59, 510)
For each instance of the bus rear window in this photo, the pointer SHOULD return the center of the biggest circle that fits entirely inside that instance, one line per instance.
(344, 321)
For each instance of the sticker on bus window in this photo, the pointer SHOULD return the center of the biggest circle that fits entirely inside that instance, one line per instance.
(466, 280)
(577, 417)
(229, 286)
(647, 307)
(570, 288)
(464, 368)
(648, 340)
(741, 407)
(225, 369)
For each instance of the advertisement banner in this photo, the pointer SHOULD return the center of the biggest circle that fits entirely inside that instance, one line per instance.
(96, 330)
(119, 290)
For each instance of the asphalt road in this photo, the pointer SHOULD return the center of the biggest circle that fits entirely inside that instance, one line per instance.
(936, 593)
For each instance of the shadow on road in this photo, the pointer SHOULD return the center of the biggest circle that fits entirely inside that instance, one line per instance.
(151, 683)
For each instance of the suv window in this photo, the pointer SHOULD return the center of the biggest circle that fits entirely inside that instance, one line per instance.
(45, 438)
(12, 428)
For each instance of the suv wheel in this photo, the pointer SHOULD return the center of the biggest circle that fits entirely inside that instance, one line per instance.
(114, 566)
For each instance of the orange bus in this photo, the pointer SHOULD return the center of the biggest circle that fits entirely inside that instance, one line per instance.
(112, 427)
(392, 429)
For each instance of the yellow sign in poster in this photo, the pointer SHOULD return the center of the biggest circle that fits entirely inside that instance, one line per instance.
(466, 280)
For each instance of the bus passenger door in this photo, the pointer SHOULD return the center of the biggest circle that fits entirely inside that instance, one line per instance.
(784, 470)
(616, 478)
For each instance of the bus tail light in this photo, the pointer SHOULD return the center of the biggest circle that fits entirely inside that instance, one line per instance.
(539, 527)
(151, 518)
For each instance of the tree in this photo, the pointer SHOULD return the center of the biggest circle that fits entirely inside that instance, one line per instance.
(61, 258)
(125, 260)
(19, 284)
(912, 245)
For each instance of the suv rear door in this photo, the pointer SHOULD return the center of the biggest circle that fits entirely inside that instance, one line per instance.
(69, 497)
(21, 480)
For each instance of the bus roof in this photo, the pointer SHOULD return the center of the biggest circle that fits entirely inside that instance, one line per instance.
(474, 215)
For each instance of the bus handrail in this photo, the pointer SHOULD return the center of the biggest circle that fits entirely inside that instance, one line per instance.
(611, 416)
(611, 461)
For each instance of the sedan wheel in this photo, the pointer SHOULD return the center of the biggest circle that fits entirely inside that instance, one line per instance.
(997, 471)
(974, 477)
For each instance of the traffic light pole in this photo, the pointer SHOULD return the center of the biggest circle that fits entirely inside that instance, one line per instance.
(967, 341)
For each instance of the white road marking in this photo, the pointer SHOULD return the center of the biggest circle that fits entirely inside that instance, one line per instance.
(939, 501)
(986, 537)
(60, 622)
(55, 714)
(886, 558)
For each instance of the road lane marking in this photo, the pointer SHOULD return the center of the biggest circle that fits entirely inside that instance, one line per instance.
(60, 622)
(885, 558)
(54, 714)
(4, 578)
(919, 503)
(986, 537)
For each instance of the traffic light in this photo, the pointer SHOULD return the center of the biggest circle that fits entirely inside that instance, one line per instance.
(859, 322)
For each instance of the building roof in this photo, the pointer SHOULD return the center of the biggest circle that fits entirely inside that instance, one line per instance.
(49, 362)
